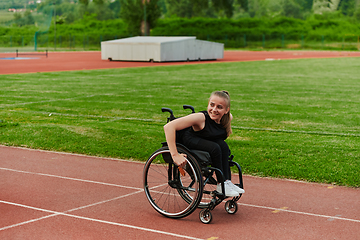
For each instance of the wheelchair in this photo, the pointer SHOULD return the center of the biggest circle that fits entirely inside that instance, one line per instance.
(176, 192)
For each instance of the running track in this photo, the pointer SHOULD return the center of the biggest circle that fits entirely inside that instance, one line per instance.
(49, 195)
(68, 61)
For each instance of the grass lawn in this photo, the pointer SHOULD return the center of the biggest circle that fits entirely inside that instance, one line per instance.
(6, 16)
(294, 119)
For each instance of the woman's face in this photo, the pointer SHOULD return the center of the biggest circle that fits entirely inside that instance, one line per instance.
(217, 108)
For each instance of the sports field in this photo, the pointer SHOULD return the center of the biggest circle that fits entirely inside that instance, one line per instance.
(295, 119)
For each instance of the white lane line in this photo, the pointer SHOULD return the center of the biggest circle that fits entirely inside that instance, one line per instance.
(75, 154)
(69, 178)
(57, 213)
(54, 213)
(302, 213)
(141, 190)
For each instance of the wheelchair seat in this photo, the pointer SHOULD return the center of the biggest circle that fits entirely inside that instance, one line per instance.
(202, 157)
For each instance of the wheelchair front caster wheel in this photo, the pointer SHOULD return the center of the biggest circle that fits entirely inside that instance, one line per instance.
(205, 216)
(231, 207)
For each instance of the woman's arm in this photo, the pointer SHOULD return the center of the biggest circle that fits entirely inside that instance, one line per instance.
(196, 120)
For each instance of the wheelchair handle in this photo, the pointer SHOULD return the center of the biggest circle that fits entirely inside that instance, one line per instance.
(172, 117)
(189, 107)
(167, 110)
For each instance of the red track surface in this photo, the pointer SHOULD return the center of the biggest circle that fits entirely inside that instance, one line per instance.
(47, 195)
(67, 61)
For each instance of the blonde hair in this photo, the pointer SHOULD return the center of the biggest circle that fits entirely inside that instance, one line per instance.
(226, 119)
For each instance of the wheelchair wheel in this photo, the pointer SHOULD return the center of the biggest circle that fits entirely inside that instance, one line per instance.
(205, 216)
(169, 192)
(231, 207)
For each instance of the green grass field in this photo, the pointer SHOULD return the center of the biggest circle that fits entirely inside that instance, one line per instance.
(295, 119)
(6, 16)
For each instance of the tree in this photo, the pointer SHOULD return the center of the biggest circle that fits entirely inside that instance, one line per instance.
(29, 19)
(101, 9)
(85, 2)
(259, 8)
(132, 12)
(357, 11)
(320, 6)
(292, 9)
(244, 4)
(180, 8)
(224, 5)
(347, 7)
(200, 8)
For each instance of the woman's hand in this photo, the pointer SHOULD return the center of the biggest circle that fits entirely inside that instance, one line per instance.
(180, 160)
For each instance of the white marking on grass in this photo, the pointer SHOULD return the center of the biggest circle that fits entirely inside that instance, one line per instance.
(297, 131)
(45, 101)
(112, 119)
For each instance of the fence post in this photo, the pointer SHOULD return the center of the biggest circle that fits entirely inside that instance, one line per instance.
(35, 41)
(322, 41)
(10, 41)
(244, 40)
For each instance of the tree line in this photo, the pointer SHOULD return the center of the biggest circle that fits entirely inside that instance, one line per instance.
(142, 15)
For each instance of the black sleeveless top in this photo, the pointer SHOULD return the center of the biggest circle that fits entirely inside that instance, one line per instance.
(212, 130)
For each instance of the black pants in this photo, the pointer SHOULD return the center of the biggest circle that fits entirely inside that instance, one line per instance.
(219, 152)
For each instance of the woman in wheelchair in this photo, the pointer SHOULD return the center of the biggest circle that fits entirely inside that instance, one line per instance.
(206, 131)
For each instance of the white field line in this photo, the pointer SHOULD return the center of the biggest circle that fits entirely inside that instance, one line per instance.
(297, 131)
(45, 101)
(112, 119)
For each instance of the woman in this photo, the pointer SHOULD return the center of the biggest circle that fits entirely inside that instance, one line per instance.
(206, 131)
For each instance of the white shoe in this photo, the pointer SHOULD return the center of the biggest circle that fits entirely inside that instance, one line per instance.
(229, 191)
(236, 188)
